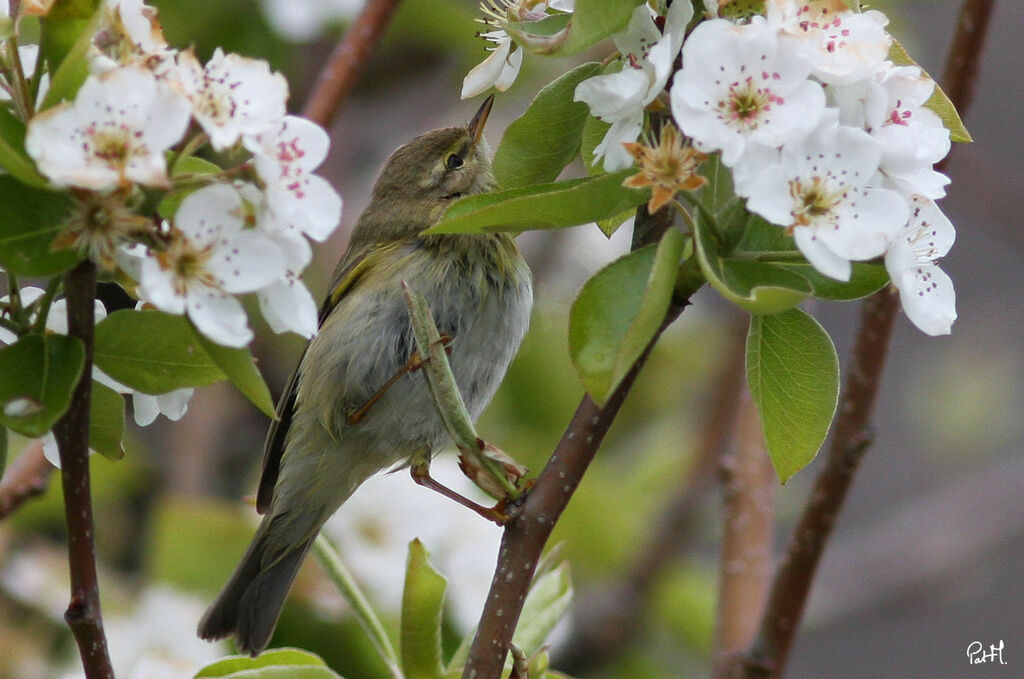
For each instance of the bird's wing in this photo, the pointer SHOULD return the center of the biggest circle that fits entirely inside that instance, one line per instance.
(348, 274)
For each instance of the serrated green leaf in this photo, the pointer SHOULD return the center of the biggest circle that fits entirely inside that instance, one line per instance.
(153, 352)
(106, 422)
(755, 286)
(37, 376)
(543, 206)
(563, 34)
(240, 367)
(13, 158)
(618, 311)
(938, 102)
(422, 606)
(546, 604)
(29, 221)
(793, 375)
(277, 663)
(68, 29)
(541, 142)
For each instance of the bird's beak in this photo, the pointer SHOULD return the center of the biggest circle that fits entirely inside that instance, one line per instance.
(476, 125)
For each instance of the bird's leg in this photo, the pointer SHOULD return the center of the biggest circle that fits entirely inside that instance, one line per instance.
(420, 470)
(414, 363)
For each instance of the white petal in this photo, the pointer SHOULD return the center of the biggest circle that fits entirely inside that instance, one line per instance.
(145, 409)
(287, 305)
(510, 71)
(50, 450)
(220, 317)
(820, 256)
(246, 262)
(309, 201)
(487, 72)
(928, 298)
(622, 131)
(211, 213)
(156, 286)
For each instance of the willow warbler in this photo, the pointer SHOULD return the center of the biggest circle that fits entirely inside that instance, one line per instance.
(316, 454)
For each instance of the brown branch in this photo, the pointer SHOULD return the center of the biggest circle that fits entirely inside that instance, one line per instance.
(768, 655)
(72, 432)
(745, 567)
(27, 477)
(528, 531)
(342, 71)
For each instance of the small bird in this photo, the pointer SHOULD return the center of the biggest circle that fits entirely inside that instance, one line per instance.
(344, 416)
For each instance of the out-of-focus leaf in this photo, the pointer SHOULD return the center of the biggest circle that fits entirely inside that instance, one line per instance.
(865, 279)
(541, 142)
(153, 352)
(37, 376)
(422, 606)
(13, 158)
(590, 22)
(29, 221)
(793, 375)
(543, 206)
(546, 603)
(618, 311)
(68, 29)
(106, 422)
(277, 663)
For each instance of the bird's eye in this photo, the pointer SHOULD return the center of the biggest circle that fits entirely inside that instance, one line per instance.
(453, 161)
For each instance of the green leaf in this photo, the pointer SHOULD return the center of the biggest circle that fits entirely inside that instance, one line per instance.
(591, 22)
(546, 604)
(541, 142)
(610, 225)
(543, 206)
(718, 193)
(3, 450)
(68, 29)
(938, 102)
(37, 376)
(793, 374)
(13, 157)
(619, 310)
(865, 279)
(277, 663)
(240, 367)
(153, 352)
(755, 286)
(422, 605)
(29, 221)
(189, 165)
(106, 422)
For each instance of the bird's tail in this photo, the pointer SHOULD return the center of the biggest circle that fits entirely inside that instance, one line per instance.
(251, 602)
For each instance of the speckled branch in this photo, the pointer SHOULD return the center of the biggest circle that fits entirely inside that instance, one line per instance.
(851, 433)
(72, 433)
(342, 71)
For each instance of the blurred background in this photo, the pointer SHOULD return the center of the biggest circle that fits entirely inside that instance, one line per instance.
(928, 554)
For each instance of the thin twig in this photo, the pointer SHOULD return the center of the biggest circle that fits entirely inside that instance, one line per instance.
(851, 433)
(337, 78)
(528, 531)
(72, 431)
(25, 478)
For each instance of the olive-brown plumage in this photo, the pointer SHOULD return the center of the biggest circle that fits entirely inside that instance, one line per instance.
(479, 291)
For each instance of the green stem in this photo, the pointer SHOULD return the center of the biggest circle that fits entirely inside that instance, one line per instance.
(22, 94)
(332, 564)
(43, 304)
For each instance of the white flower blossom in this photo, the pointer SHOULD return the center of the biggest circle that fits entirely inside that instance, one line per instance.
(499, 69)
(233, 96)
(741, 88)
(926, 292)
(841, 45)
(285, 157)
(114, 133)
(211, 257)
(305, 20)
(819, 191)
(129, 34)
(890, 106)
(620, 98)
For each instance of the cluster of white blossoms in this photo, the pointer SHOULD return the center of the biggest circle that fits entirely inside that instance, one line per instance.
(824, 135)
(828, 139)
(237, 231)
